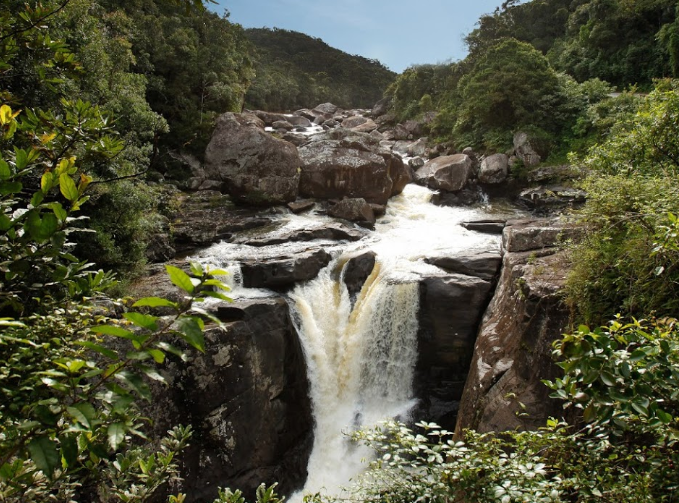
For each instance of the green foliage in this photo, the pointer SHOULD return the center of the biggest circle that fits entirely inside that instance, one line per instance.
(626, 260)
(296, 71)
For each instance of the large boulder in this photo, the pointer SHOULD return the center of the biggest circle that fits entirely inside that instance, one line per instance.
(247, 400)
(525, 150)
(252, 165)
(494, 169)
(354, 209)
(353, 121)
(282, 272)
(451, 307)
(513, 350)
(350, 164)
(325, 108)
(450, 173)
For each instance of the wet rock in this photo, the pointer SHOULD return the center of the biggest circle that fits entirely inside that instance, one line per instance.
(513, 351)
(298, 121)
(484, 265)
(268, 118)
(301, 206)
(247, 400)
(486, 226)
(417, 148)
(537, 234)
(494, 169)
(280, 273)
(451, 307)
(255, 167)
(449, 173)
(353, 209)
(356, 272)
(284, 124)
(416, 162)
(206, 217)
(332, 231)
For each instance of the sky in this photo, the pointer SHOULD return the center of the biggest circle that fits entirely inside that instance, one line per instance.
(398, 33)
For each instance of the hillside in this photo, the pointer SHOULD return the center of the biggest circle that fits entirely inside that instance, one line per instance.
(294, 70)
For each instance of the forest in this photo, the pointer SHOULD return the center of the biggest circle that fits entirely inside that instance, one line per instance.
(296, 71)
(96, 95)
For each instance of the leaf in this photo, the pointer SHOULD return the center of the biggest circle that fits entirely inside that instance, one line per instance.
(108, 353)
(142, 320)
(152, 373)
(134, 382)
(116, 435)
(179, 278)
(169, 348)
(47, 182)
(7, 188)
(157, 355)
(67, 187)
(84, 413)
(664, 416)
(117, 332)
(155, 302)
(190, 329)
(37, 198)
(69, 451)
(607, 378)
(5, 171)
(44, 454)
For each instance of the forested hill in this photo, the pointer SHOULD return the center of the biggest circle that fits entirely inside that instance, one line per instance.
(623, 42)
(295, 70)
(543, 65)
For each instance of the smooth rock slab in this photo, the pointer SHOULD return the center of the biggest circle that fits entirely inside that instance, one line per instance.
(283, 272)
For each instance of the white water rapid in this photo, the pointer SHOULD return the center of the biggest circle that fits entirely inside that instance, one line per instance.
(361, 355)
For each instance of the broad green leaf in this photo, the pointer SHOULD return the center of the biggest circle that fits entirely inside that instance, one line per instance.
(135, 383)
(190, 329)
(59, 211)
(152, 373)
(7, 188)
(116, 435)
(47, 182)
(116, 332)
(664, 416)
(21, 159)
(179, 278)
(607, 378)
(69, 451)
(37, 198)
(67, 187)
(5, 222)
(157, 355)
(196, 269)
(169, 348)
(108, 353)
(5, 171)
(45, 455)
(155, 302)
(41, 228)
(217, 295)
(142, 320)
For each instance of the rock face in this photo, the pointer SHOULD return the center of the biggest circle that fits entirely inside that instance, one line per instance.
(253, 166)
(513, 349)
(349, 164)
(525, 151)
(450, 173)
(283, 272)
(452, 304)
(494, 169)
(246, 398)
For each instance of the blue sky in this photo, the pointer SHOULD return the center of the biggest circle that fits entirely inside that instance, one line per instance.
(399, 33)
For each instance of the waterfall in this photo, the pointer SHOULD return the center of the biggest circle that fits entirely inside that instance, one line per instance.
(360, 364)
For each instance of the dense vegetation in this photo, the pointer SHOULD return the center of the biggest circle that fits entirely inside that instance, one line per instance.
(296, 71)
(556, 46)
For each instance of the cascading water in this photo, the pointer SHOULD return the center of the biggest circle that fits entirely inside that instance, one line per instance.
(360, 364)
(361, 352)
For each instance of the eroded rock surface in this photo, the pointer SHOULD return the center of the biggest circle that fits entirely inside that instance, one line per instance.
(246, 398)
(450, 173)
(254, 167)
(513, 350)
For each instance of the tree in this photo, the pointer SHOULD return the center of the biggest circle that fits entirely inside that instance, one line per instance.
(508, 88)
